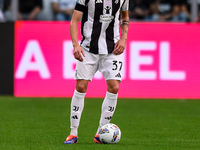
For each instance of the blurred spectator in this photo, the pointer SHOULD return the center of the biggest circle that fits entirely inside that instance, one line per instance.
(139, 9)
(198, 18)
(46, 13)
(63, 9)
(1, 14)
(169, 10)
(161, 10)
(189, 8)
(7, 10)
(28, 9)
(180, 11)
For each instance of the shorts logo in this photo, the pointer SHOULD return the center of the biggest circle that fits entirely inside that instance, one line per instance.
(99, 1)
(116, 1)
(118, 75)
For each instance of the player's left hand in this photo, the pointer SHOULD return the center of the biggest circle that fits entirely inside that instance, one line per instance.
(119, 47)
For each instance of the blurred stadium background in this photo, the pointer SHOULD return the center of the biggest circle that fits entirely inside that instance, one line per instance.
(158, 106)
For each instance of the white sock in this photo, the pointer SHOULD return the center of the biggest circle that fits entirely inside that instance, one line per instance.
(77, 105)
(107, 109)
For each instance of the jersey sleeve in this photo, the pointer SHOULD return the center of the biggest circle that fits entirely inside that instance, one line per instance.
(80, 5)
(125, 5)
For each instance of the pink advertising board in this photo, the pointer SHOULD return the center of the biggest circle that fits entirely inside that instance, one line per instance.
(161, 60)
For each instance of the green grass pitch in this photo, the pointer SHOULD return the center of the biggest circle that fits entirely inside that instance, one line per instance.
(43, 124)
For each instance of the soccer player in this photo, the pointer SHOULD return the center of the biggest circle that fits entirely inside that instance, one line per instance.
(100, 49)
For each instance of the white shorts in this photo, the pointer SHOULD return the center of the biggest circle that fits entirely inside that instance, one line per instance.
(110, 65)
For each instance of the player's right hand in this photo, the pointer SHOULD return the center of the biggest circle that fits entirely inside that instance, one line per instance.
(78, 53)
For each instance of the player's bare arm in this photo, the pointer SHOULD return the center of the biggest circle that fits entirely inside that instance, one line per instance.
(121, 44)
(78, 51)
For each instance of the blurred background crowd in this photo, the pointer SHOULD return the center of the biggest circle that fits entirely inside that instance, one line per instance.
(139, 10)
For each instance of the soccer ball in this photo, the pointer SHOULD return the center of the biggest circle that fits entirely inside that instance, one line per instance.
(109, 134)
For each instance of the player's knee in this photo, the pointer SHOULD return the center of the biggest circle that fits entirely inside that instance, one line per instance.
(113, 89)
(82, 88)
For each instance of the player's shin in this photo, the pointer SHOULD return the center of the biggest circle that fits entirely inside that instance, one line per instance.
(77, 105)
(108, 108)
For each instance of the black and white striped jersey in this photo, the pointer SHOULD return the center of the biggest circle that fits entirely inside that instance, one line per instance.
(100, 24)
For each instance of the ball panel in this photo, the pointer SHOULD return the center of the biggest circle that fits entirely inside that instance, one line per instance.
(109, 134)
